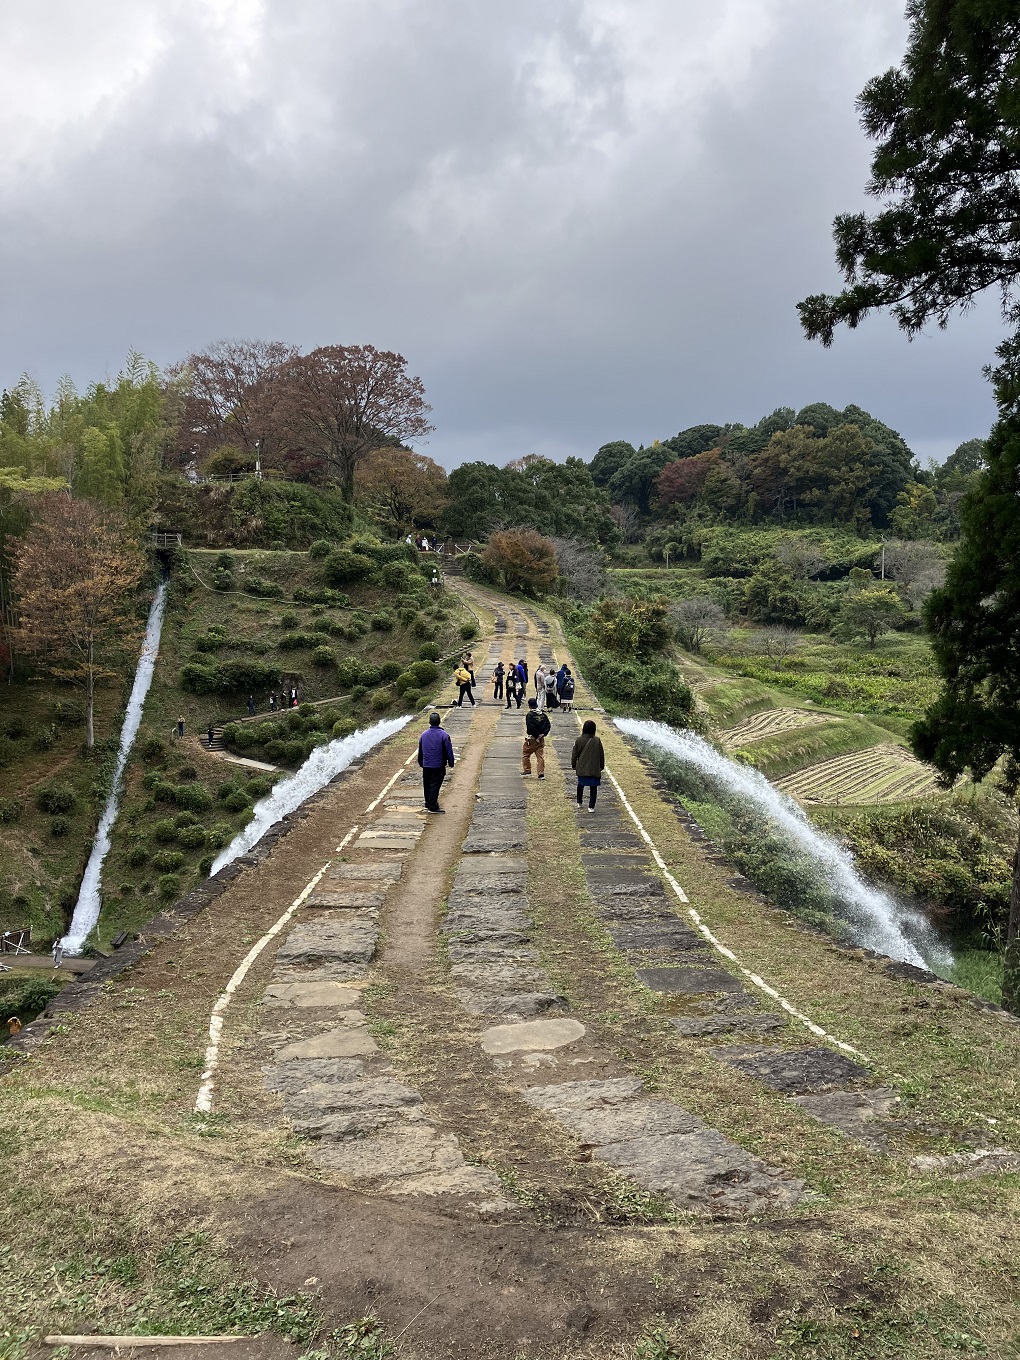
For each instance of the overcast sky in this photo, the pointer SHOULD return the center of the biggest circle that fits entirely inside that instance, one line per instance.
(579, 220)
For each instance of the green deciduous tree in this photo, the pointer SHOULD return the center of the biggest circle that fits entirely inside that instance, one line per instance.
(869, 612)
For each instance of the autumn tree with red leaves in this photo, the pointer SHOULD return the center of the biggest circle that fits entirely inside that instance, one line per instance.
(522, 560)
(73, 572)
(234, 400)
(684, 480)
(342, 401)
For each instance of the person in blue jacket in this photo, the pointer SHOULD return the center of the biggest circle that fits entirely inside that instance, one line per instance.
(435, 753)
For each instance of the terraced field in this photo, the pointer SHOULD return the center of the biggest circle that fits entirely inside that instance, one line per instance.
(882, 774)
(770, 723)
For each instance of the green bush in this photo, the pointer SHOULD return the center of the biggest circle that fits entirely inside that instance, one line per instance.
(244, 737)
(259, 787)
(196, 679)
(266, 731)
(369, 673)
(296, 642)
(273, 750)
(396, 575)
(184, 819)
(168, 860)
(358, 693)
(320, 548)
(468, 631)
(381, 698)
(422, 628)
(219, 835)
(16, 727)
(137, 856)
(342, 565)
(222, 580)
(44, 738)
(295, 751)
(424, 673)
(192, 838)
(205, 865)
(382, 622)
(10, 811)
(343, 727)
(258, 585)
(348, 671)
(56, 798)
(247, 675)
(169, 886)
(407, 615)
(389, 670)
(225, 561)
(164, 830)
(323, 656)
(236, 801)
(194, 797)
(59, 826)
(428, 651)
(412, 698)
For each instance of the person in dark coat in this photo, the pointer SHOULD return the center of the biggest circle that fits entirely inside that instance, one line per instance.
(497, 680)
(435, 753)
(512, 691)
(588, 760)
(537, 727)
(251, 705)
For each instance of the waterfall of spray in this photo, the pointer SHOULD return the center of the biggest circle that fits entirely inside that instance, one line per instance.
(877, 919)
(322, 765)
(86, 909)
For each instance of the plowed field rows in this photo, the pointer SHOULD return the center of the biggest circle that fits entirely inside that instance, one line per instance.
(883, 774)
(769, 723)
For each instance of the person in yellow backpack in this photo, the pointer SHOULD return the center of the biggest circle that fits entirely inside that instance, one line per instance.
(463, 678)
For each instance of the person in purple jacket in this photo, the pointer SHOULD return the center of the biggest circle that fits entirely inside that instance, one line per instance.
(435, 753)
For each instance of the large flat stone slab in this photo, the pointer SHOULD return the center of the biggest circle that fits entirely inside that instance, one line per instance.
(532, 1036)
(688, 981)
(345, 900)
(328, 941)
(306, 995)
(388, 871)
(863, 1115)
(381, 840)
(583, 1095)
(521, 1003)
(648, 935)
(800, 1071)
(344, 1042)
(494, 842)
(706, 1026)
(966, 1166)
(702, 1171)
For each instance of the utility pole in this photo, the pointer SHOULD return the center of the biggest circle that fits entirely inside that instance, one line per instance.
(883, 561)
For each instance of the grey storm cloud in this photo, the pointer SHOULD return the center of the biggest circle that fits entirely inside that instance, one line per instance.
(580, 220)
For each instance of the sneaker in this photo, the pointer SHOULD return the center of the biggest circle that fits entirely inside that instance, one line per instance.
(591, 809)
(525, 774)
(541, 776)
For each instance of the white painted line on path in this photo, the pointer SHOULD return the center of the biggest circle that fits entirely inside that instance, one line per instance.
(203, 1101)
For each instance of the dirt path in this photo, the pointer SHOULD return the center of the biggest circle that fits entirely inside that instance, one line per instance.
(496, 1081)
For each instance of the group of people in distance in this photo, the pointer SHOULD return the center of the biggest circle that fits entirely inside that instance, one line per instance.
(553, 689)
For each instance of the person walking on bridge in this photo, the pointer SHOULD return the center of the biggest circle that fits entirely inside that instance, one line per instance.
(588, 760)
(537, 727)
(435, 753)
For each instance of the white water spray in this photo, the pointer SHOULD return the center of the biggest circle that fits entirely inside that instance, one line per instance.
(86, 909)
(879, 922)
(322, 765)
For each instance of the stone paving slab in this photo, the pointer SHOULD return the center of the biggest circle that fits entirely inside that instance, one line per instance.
(341, 942)
(532, 1036)
(368, 871)
(863, 1115)
(667, 934)
(344, 1042)
(689, 981)
(696, 1166)
(348, 900)
(308, 994)
(795, 1071)
(708, 1026)
(495, 842)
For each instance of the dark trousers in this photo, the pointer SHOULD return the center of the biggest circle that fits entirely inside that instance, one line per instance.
(433, 782)
(513, 694)
(497, 689)
(593, 794)
(465, 693)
